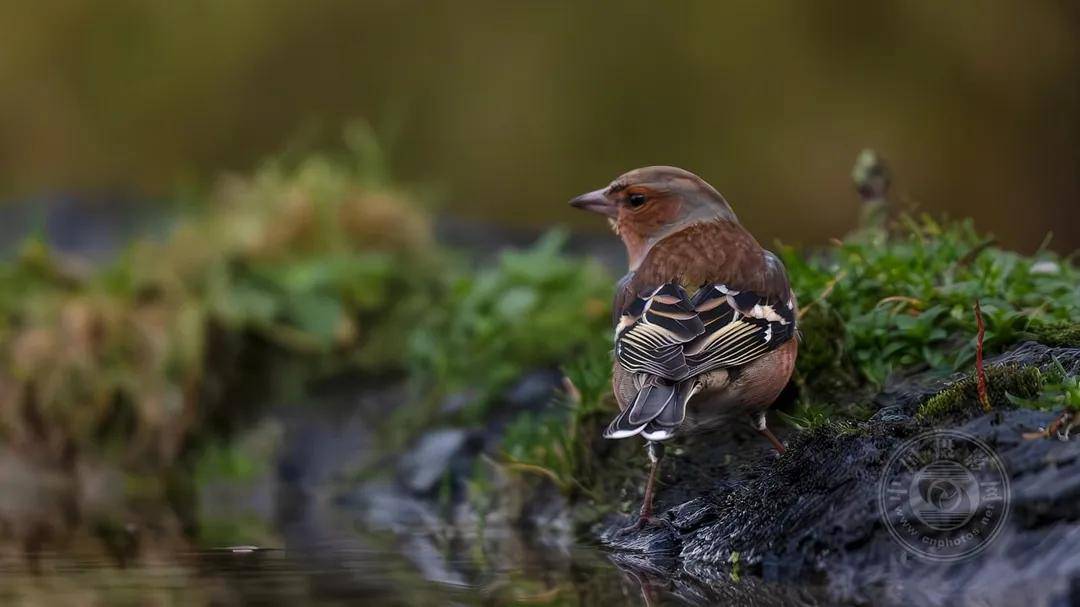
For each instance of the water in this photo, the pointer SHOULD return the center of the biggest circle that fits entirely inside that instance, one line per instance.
(300, 527)
(329, 556)
(335, 573)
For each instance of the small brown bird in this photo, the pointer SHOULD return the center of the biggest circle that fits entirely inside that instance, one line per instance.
(705, 318)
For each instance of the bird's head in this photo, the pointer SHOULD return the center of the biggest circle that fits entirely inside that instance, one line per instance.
(648, 204)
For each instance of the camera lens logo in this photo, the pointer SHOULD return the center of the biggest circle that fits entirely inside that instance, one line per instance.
(944, 495)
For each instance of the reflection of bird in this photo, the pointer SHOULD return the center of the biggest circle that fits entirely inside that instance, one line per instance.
(705, 319)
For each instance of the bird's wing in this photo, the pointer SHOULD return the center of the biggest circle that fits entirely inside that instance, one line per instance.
(624, 297)
(653, 330)
(665, 340)
(739, 327)
(673, 337)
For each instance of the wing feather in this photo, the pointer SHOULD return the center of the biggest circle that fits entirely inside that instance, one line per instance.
(674, 337)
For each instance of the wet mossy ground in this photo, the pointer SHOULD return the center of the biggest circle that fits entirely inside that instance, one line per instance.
(811, 515)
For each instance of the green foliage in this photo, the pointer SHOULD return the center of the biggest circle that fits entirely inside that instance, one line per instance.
(314, 258)
(1060, 392)
(879, 303)
(540, 443)
(809, 415)
(533, 308)
(558, 443)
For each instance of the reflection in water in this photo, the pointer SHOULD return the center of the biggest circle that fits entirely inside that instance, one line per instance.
(327, 574)
(301, 529)
(154, 566)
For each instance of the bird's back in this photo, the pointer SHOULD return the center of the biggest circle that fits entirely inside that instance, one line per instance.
(703, 302)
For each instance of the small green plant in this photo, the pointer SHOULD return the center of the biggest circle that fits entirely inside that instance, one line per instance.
(558, 443)
(533, 308)
(1060, 391)
(735, 562)
(883, 302)
(808, 415)
(1068, 396)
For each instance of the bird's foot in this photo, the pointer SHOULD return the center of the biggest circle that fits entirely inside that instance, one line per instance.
(644, 522)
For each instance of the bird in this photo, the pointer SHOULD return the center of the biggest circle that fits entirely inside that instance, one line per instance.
(705, 320)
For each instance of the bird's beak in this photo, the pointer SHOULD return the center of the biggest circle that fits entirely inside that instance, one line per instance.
(597, 202)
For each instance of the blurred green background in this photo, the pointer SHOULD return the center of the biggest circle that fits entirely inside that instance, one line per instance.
(510, 108)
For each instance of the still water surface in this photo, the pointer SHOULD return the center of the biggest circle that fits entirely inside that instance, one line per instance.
(403, 570)
(327, 575)
(301, 529)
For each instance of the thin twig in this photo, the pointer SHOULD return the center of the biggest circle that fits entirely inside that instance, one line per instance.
(916, 303)
(1061, 426)
(970, 256)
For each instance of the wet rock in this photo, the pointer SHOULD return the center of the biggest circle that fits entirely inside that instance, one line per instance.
(435, 455)
(692, 514)
(658, 541)
(457, 402)
(385, 507)
(812, 516)
(534, 390)
(330, 438)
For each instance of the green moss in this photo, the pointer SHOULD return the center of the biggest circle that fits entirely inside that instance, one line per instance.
(1060, 334)
(826, 429)
(320, 259)
(826, 371)
(1004, 383)
(813, 415)
(888, 301)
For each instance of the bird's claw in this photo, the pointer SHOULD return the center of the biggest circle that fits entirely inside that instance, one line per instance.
(645, 521)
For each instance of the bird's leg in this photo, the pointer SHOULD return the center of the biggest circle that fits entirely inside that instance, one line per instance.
(763, 429)
(656, 453)
(645, 517)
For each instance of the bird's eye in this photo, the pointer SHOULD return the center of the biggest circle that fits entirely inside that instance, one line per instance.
(636, 200)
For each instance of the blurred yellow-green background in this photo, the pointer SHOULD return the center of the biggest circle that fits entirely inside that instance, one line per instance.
(509, 108)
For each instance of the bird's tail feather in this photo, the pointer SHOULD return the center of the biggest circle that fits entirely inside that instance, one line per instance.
(657, 411)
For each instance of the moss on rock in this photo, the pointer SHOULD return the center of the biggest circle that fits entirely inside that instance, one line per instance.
(1060, 334)
(961, 398)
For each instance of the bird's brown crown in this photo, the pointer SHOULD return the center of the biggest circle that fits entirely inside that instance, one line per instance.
(648, 204)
